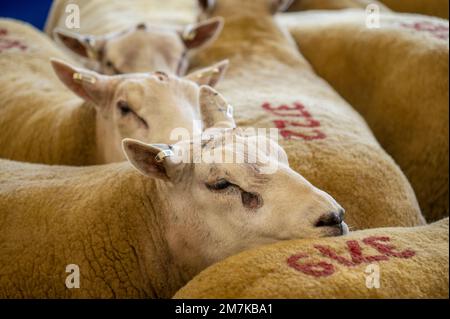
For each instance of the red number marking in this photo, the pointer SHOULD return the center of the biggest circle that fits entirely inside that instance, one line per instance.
(439, 31)
(323, 268)
(387, 250)
(330, 253)
(297, 110)
(282, 124)
(320, 269)
(6, 44)
(357, 255)
(287, 134)
(307, 129)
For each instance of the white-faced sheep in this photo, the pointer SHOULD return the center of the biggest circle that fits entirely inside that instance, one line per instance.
(134, 235)
(272, 85)
(118, 38)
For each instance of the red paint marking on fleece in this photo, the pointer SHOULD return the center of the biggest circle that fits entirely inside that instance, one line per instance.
(307, 129)
(357, 255)
(289, 134)
(437, 30)
(319, 269)
(330, 253)
(323, 268)
(388, 250)
(6, 44)
(282, 124)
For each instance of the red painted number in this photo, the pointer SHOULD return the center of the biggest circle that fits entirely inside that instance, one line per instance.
(6, 44)
(324, 268)
(301, 126)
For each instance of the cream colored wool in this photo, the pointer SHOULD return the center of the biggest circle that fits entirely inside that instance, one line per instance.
(301, 5)
(397, 78)
(108, 220)
(438, 8)
(336, 150)
(104, 16)
(32, 97)
(292, 270)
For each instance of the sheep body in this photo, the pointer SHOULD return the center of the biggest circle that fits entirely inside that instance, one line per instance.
(438, 8)
(41, 120)
(397, 78)
(302, 5)
(107, 220)
(305, 272)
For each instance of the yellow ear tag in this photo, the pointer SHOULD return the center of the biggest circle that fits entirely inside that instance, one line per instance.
(189, 34)
(80, 78)
(161, 156)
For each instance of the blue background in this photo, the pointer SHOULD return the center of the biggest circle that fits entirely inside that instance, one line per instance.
(32, 11)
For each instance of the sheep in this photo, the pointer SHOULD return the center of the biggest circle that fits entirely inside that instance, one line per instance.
(272, 85)
(301, 5)
(44, 122)
(386, 263)
(143, 230)
(438, 8)
(406, 107)
(131, 41)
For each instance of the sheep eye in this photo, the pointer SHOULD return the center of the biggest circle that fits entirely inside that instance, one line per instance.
(124, 108)
(109, 64)
(221, 184)
(251, 200)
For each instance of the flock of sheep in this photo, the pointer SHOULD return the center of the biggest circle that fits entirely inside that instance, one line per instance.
(91, 174)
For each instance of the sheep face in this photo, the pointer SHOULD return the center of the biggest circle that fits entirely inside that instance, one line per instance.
(235, 205)
(144, 106)
(144, 48)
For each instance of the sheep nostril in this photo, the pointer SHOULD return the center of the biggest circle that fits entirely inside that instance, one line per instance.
(330, 220)
(341, 214)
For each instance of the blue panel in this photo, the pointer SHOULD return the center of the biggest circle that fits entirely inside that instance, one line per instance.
(31, 11)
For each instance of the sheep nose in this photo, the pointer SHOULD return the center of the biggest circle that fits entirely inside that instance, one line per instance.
(331, 219)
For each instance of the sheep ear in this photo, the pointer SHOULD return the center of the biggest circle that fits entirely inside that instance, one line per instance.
(199, 35)
(215, 111)
(281, 5)
(153, 160)
(211, 75)
(80, 44)
(206, 5)
(88, 85)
